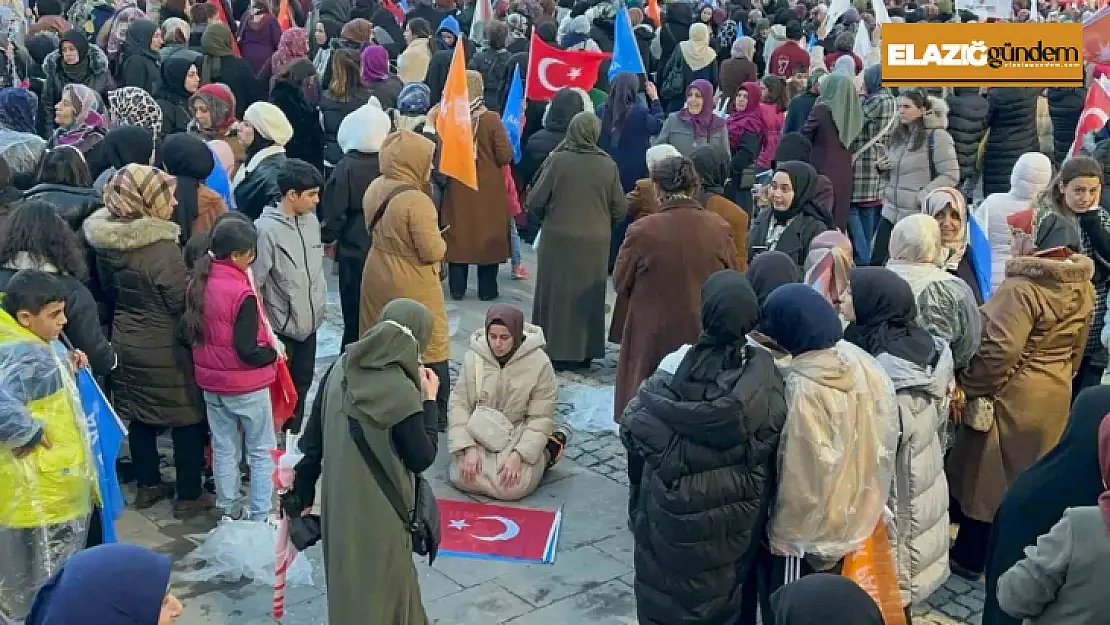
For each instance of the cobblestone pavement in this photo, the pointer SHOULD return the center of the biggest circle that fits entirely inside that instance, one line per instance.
(590, 581)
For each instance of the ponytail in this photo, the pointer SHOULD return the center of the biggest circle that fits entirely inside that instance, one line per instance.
(194, 299)
(227, 237)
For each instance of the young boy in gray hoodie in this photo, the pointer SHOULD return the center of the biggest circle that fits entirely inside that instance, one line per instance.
(289, 272)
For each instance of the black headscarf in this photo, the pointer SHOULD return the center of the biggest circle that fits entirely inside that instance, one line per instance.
(190, 160)
(548, 32)
(140, 34)
(126, 145)
(78, 72)
(712, 163)
(824, 599)
(886, 317)
(436, 78)
(174, 71)
(729, 311)
(383, 18)
(800, 319)
(1066, 477)
(622, 99)
(794, 146)
(803, 177)
(769, 271)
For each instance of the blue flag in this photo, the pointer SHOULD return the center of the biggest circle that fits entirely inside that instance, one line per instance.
(106, 433)
(626, 54)
(404, 5)
(811, 42)
(512, 116)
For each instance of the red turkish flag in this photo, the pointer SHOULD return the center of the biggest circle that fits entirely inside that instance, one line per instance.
(482, 530)
(1096, 112)
(551, 69)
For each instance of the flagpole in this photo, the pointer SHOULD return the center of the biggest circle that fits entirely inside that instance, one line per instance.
(531, 55)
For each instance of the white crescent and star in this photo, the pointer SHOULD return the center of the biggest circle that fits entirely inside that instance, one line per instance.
(541, 72)
(510, 528)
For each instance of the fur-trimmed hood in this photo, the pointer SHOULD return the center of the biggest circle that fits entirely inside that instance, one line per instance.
(1078, 268)
(937, 117)
(105, 232)
(98, 62)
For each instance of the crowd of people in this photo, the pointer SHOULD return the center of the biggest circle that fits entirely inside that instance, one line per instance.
(839, 306)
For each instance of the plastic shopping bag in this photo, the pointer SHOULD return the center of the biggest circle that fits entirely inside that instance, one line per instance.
(283, 395)
(872, 567)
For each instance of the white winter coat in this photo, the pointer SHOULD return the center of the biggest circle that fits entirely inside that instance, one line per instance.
(919, 498)
(1032, 174)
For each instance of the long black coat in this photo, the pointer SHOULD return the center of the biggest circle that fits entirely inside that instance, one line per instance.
(702, 477)
(307, 143)
(1066, 477)
(967, 123)
(236, 73)
(342, 219)
(72, 204)
(1013, 132)
(332, 112)
(555, 121)
(1065, 104)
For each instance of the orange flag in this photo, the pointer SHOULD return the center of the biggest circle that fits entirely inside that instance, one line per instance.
(457, 158)
(285, 15)
(654, 13)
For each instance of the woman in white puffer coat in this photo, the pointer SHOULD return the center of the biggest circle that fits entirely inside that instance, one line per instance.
(1031, 175)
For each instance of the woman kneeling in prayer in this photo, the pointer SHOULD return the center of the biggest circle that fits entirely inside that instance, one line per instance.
(502, 433)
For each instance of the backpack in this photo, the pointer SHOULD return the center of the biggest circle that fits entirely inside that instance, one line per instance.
(494, 67)
(673, 82)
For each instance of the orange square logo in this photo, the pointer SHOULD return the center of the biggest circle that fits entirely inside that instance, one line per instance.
(982, 55)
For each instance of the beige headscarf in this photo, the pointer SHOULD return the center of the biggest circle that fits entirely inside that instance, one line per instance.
(935, 202)
(697, 52)
(140, 191)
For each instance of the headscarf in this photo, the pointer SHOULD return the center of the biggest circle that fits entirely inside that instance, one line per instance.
(127, 145)
(839, 93)
(511, 318)
(794, 146)
(518, 27)
(824, 599)
(729, 311)
(174, 70)
(179, 26)
(803, 177)
(770, 270)
(87, 116)
(697, 51)
(137, 191)
(118, 28)
(658, 153)
(79, 71)
(132, 105)
(375, 64)
(622, 100)
(221, 106)
(748, 119)
(726, 34)
(743, 48)
(827, 266)
(359, 30)
(475, 87)
(916, 239)
(713, 165)
(636, 16)
(140, 34)
(935, 202)
(886, 317)
(873, 79)
(216, 43)
(800, 320)
(18, 109)
(548, 32)
(189, 160)
(292, 46)
(415, 99)
(582, 135)
(577, 31)
(704, 123)
(116, 584)
(383, 366)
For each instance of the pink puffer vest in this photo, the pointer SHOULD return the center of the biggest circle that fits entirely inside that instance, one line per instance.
(216, 363)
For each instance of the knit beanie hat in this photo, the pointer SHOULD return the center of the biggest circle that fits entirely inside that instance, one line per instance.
(269, 121)
(415, 99)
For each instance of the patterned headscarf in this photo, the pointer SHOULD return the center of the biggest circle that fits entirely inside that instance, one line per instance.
(221, 106)
(939, 199)
(827, 267)
(117, 29)
(293, 46)
(87, 116)
(133, 106)
(18, 108)
(140, 191)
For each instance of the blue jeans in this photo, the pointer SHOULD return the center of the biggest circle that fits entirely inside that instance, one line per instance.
(862, 223)
(514, 242)
(226, 415)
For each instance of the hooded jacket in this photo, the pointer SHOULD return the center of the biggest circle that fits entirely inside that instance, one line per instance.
(1031, 175)
(289, 272)
(556, 117)
(909, 181)
(523, 390)
(967, 123)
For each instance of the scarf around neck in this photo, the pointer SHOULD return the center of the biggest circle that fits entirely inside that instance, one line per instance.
(704, 123)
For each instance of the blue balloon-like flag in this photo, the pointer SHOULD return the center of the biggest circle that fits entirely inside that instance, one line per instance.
(512, 116)
(106, 433)
(626, 54)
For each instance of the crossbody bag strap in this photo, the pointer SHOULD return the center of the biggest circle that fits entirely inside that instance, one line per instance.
(385, 205)
(479, 373)
(877, 138)
(388, 487)
(1020, 364)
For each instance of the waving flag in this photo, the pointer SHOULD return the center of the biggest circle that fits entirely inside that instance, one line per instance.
(1096, 111)
(106, 432)
(512, 115)
(654, 13)
(551, 69)
(626, 54)
(483, 17)
(457, 158)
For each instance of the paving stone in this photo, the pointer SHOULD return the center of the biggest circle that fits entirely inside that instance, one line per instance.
(955, 610)
(479, 605)
(958, 585)
(970, 602)
(619, 546)
(612, 603)
(579, 570)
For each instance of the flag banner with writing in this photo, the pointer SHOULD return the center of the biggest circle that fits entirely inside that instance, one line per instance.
(494, 532)
(626, 54)
(106, 433)
(512, 114)
(456, 157)
(551, 69)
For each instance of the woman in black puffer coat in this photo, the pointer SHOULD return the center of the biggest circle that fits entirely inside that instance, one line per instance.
(1013, 132)
(702, 450)
(967, 123)
(1065, 105)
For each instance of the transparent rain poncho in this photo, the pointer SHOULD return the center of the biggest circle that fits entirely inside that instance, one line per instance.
(46, 496)
(22, 152)
(836, 455)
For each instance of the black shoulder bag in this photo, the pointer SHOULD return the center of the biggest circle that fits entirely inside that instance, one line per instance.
(422, 522)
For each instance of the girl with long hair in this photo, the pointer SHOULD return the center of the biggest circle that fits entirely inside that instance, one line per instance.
(233, 360)
(345, 93)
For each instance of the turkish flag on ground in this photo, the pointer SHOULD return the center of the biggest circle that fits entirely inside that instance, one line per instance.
(1096, 111)
(551, 69)
(489, 531)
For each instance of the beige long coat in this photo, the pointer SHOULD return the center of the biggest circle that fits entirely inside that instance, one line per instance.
(1034, 331)
(407, 247)
(524, 390)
